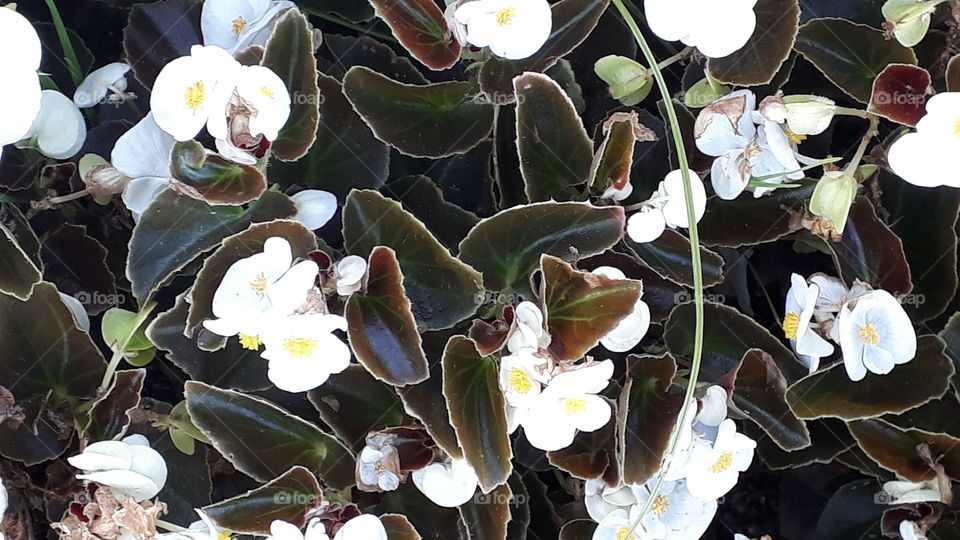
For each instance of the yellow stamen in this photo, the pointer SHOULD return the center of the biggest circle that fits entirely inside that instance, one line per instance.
(794, 138)
(660, 505)
(259, 285)
(573, 406)
(238, 25)
(505, 16)
(195, 96)
(791, 323)
(723, 462)
(267, 92)
(625, 534)
(869, 334)
(956, 128)
(224, 535)
(251, 343)
(300, 347)
(519, 381)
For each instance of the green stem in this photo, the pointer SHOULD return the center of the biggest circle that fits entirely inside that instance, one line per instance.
(694, 247)
(347, 24)
(862, 149)
(111, 369)
(70, 56)
(675, 58)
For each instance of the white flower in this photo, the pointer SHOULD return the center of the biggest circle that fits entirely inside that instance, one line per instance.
(522, 377)
(875, 335)
(902, 492)
(282, 530)
(911, 531)
(373, 472)
(143, 154)
(797, 320)
(362, 527)
(350, 272)
(59, 130)
(601, 499)
(567, 405)
(646, 225)
(314, 207)
(617, 526)
(447, 484)
(527, 330)
(99, 83)
(674, 512)
(615, 194)
(258, 95)
(302, 350)
(713, 470)
(192, 90)
(834, 294)
(130, 467)
(237, 24)
(259, 288)
(930, 157)
(204, 529)
(713, 407)
(20, 95)
(631, 329)
(675, 205)
(717, 27)
(4, 500)
(513, 29)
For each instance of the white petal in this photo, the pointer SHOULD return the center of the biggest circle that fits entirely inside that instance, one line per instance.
(587, 380)
(20, 99)
(135, 485)
(99, 83)
(20, 41)
(362, 527)
(646, 225)
(350, 272)
(526, 34)
(144, 150)
(268, 94)
(668, 19)
(217, 19)
(59, 130)
(449, 486)
(713, 409)
(630, 331)
(281, 530)
(314, 207)
(722, 28)
(675, 209)
(140, 193)
(730, 175)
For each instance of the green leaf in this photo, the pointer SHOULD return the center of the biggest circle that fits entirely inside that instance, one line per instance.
(213, 178)
(829, 438)
(381, 327)
(477, 411)
(443, 291)
(110, 415)
(434, 120)
(669, 256)
(364, 50)
(727, 337)
(234, 248)
(289, 497)
(486, 516)
(425, 200)
(77, 264)
(555, 151)
(123, 330)
(158, 33)
(425, 401)
(231, 366)
(647, 412)
(896, 449)
(345, 155)
(174, 230)
(289, 53)
(582, 307)
(626, 78)
(871, 252)
(262, 440)
(353, 404)
(758, 61)
(507, 247)
(747, 221)
(573, 20)
(759, 393)
(18, 274)
(47, 363)
(850, 55)
(614, 160)
(420, 27)
(830, 392)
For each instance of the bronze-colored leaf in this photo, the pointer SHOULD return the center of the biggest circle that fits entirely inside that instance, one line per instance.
(289, 497)
(871, 252)
(420, 27)
(758, 61)
(896, 449)
(758, 393)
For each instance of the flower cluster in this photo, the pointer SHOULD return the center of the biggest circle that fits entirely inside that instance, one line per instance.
(267, 300)
(873, 331)
(667, 207)
(680, 501)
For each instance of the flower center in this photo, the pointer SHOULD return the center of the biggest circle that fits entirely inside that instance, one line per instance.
(267, 92)
(224, 535)
(660, 505)
(519, 381)
(791, 323)
(251, 343)
(300, 347)
(259, 285)
(574, 406)
(869, 334)
(195, 96)
(794, 138)
(505, 16)
(625, 534)
(956, 128)
(238, 25)
(723, 463)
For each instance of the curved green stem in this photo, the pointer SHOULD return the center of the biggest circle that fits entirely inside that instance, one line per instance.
(862, 149)
(69, 55)
(694, 246)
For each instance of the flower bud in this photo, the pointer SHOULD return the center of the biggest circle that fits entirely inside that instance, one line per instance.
(833, 197)
(703, 93)
(909, 19)
(809, 115)
(629, 81)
